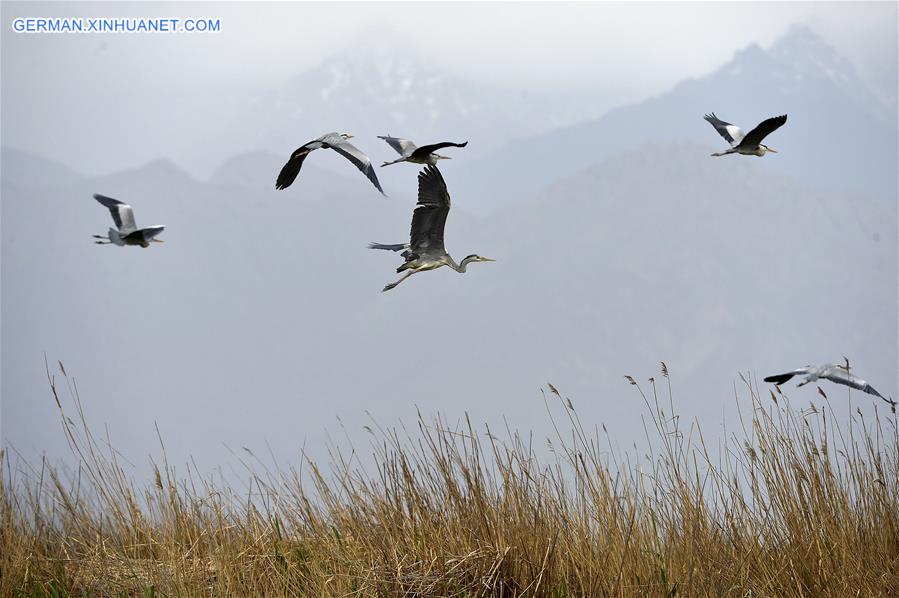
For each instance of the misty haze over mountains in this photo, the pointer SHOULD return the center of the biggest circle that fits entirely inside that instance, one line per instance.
(620, 242)
(838, 136)
(376, 88)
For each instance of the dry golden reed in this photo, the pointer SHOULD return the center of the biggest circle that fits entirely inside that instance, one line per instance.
(794, 505)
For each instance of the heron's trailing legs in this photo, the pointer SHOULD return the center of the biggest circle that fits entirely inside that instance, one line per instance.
(394, 162)
(393, 284)
(102, 239)
(389, 247)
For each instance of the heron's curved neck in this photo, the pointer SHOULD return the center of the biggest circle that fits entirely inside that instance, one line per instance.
(457, 267)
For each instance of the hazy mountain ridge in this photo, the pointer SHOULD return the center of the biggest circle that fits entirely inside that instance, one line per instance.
(834, 125)
(28, 170)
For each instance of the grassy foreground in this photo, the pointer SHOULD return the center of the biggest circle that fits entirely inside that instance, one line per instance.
(793, 505)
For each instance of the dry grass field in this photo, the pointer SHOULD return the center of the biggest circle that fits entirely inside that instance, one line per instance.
(793, 504)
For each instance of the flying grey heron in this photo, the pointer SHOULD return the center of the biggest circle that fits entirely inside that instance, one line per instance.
(126, 231)
(409, 152)
(425, 250)
(835, 373)
(749, 144)
(335, 141)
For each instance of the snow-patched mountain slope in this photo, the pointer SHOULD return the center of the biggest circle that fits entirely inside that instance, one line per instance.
(837, 138)
(375, 88)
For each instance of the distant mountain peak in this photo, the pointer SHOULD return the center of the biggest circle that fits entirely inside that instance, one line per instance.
(805, 51)
(383, 82)
(801, 37)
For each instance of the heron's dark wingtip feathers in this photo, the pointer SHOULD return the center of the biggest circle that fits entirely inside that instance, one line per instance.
(873, 391)
(429, 178)
(374, 181)
(779, 378)
(290, 170)
(778, 121)
(286, 178)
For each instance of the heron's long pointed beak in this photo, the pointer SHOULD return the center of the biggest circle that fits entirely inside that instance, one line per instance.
(439, 157)
(157, 241)
(771, 149)
(487, 259)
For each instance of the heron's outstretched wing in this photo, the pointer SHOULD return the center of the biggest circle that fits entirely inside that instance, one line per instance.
(122, 214)
(731, 133)
(841, 376)
(429, 217)
(403, 147)
(765, 128)
(430, 149)
(354, 155)
(291, 170)
(781, 378)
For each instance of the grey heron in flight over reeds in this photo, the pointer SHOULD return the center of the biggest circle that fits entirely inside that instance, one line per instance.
(335, 141)
(126, 231)
(749, 144)
(425, 250)
(835, 373)
(409, 152)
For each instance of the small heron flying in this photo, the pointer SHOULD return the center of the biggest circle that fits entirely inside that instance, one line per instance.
(335, 141)
(409, 152)
(126, 231)
(748, 144)
(835, 373)
(425, 250)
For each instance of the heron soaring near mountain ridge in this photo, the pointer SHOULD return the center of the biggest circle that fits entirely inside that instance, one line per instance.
(425, 250)
(409, 152)
(749, 144)
(126, 231)
(835, 373)
(335, 141)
